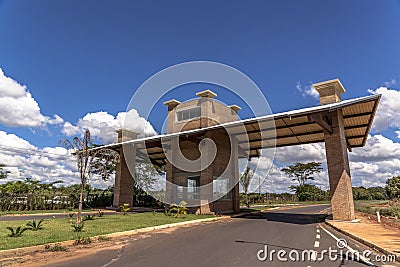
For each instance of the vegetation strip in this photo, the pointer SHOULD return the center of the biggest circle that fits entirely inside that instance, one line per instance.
(62, 229)
(19, 251)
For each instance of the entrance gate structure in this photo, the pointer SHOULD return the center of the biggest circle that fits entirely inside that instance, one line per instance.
(341, 125)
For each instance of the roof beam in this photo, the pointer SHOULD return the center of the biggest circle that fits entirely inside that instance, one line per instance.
(282, 136)
(322, 120)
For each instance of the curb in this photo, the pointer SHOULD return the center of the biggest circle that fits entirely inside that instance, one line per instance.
(8, 254)
(363, 241)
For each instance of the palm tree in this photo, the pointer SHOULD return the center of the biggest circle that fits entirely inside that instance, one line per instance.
(244, 181)
(89, 159)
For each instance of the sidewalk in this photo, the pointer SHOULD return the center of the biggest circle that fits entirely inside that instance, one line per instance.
(368, 231)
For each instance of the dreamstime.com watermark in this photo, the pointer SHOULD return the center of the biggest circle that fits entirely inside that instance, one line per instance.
(342, 253)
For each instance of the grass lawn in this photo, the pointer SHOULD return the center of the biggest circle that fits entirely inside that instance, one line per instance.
(56, 230)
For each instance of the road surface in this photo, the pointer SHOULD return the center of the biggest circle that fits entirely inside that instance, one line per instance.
(237, 242)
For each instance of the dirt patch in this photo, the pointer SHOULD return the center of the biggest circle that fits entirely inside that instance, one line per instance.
(387, 222)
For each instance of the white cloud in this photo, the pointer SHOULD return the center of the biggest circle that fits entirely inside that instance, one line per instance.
(377, 148)
(103, 125)
(370, 166)
(388, 113)
(307, 90)
(48, 164)
(300, 153)
(390, 83)
(18, 108)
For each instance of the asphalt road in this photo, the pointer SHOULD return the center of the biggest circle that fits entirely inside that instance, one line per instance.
(236, 242)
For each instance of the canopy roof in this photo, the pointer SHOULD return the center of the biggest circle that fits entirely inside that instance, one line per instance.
(303, 126)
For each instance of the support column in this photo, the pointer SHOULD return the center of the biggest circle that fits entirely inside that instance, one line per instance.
(124, 181)
(235, 174)
(336, 154)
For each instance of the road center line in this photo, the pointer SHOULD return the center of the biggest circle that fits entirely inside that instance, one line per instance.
(318, 236)
(316, 244)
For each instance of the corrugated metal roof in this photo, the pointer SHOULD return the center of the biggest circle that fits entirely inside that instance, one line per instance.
(283, 129)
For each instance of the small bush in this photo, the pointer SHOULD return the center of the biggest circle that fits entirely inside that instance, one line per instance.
(17, 232)
(82, 241)
(71, 214)
(154, 212)
(88, 218)
(35, 226)
(178, 210)
(56, 247)
(125, 208)
(103, 238)
(78, 227)
(100, 213)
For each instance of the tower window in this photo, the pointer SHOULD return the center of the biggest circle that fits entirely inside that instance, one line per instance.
(188, 114)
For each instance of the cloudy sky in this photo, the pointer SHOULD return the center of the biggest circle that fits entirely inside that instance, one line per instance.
(70, 65)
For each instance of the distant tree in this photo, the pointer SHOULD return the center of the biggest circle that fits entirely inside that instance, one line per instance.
(393, 187)
(244, 181)
(89, 161)
(361, 193)
(301, 172)
(3, 173)
(307, 192)
(378, 193)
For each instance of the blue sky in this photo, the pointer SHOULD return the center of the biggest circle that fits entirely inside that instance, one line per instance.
(80, 57)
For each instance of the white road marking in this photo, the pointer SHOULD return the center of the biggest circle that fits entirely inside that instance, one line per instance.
(318, 236)
(316, 244)
(313, 256)
(349, 248)
(318, 230)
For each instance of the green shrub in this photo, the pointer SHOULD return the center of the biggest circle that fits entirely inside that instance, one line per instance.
(178, 210)
(56, 247)
(125, 208)
(35, 226)
(17, 232)
(103, 238)
(78, 227)
(100, 213)
(88, 218)
(82, 241)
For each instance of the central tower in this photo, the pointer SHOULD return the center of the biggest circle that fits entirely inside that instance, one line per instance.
(208, 182)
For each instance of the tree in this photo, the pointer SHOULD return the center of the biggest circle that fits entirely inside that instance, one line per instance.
(3, 173)
(393, 187)
(302, 172)
(244, 181)
(90, 160)
(307, 192)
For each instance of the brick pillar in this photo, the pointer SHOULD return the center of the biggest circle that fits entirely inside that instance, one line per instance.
(336, 154)
(124, 183)
(235, 174)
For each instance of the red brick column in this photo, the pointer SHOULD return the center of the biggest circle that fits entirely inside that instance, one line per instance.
(336, 153)
(339, 170)
(124, 181)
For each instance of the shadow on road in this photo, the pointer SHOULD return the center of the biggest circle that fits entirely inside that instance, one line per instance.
(295, 218)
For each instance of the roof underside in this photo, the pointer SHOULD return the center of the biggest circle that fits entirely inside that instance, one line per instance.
(296, 127)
